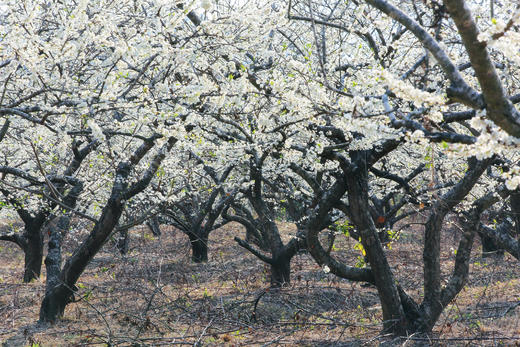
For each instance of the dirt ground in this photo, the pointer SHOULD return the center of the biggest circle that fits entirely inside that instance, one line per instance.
(155, 296)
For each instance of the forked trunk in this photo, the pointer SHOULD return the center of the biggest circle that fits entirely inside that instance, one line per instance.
(60, 294)
(54, 303)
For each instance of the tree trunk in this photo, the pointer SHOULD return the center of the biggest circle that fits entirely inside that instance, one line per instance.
(57, 295)
(280, 272)
(55, 301)
(514, 202)
(33, 254)
(394, 318)
(281, 260)
(123, 240)
(199, 246)
(154, 225)
(433, 305)
(502, 237)
(489, 246)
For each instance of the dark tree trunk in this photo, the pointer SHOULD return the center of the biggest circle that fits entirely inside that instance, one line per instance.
(435, 298)
(514, 202)
(489, 246)
(123, 241)
(394, 318)
(281, 272)
(199, 246)
(33, 254)
(502, 237)
(57, 295)
(281, 258)
(55, 301)
(154, 226)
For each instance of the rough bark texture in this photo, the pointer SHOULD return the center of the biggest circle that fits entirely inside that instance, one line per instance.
(489, 246)
(243, 216)
(254, 237)
(199, 246)
(281, 255)
(56, 295)
(514, 202)
(55, 301)
(281, 271)
(30, 241)
(153, 224)
(56, 298)
(33, 253)
(394, 319)
(123, 241)
(401, 314)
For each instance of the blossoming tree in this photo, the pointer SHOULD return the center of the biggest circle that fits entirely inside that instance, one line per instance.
(331, 99)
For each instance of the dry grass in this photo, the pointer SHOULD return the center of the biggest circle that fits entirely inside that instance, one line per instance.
(155, 296)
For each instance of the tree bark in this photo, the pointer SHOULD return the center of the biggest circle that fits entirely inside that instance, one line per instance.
(514, 202)
(432, 305)
(489, 246)
(459, 88)
(254, 237)
(499, 108)
(280, 271)
(33, 253)
(54, 303)
(199, 246)
(394, 319)
(123, 241)
(281, 259)
(154, 225)
(502, 237)
(57, 296)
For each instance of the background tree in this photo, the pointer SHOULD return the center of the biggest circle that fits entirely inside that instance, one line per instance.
(198, 212)
(307, 105)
